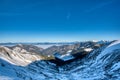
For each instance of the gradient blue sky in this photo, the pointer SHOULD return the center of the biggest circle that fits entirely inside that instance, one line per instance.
(59, 20)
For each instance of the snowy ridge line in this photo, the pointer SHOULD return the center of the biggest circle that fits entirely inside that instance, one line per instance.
(96, 66)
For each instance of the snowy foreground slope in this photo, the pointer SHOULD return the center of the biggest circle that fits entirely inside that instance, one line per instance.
(101, 64)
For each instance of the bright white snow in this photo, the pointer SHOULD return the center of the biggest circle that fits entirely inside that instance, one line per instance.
(88, 49)
(84, 69)
(109, 49)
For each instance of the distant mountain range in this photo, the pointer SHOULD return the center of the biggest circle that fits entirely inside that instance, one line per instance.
(36, 43)
(29, 62)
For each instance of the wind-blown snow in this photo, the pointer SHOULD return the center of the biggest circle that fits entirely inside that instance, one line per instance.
(116, 66)
(115, 45)
(100, 64)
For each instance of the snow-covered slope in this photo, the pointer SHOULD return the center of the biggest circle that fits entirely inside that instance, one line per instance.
(109, 49)
(101, 64)
(18, 55)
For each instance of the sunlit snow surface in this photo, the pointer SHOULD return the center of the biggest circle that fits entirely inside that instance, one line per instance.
(88, 49)
(101, 64)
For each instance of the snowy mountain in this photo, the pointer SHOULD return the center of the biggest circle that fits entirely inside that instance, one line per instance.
(18, 55)
(103, 63)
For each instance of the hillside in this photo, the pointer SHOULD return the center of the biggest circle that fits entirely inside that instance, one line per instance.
(102, 63)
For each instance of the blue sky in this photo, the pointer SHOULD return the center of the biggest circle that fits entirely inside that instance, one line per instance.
(59, 20)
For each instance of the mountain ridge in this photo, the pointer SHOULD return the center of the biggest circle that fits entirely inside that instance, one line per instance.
(94, 66)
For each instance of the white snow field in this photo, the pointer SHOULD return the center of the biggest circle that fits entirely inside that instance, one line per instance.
(101, 64)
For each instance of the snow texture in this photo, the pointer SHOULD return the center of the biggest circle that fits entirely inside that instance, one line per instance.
(100, 64)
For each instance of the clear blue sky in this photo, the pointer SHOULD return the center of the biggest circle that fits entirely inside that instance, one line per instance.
(59, 20)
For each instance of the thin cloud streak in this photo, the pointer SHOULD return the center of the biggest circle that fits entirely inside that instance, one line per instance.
(99, 6)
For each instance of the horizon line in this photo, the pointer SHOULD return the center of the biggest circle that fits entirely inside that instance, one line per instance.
(56, 41)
